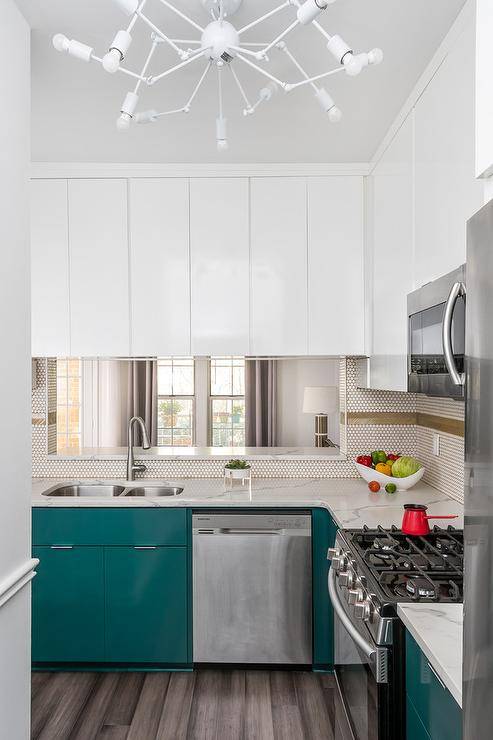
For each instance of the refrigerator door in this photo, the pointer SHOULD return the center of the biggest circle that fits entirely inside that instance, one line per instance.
(478, 524)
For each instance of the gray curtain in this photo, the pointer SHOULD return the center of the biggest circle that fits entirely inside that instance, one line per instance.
(142, 397)
(261, 403)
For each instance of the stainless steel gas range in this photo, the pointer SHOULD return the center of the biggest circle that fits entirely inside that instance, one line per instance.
(372, 570)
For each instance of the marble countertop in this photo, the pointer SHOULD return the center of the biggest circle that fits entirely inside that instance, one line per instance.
(203, 453)
(348, 500)
(437, 628)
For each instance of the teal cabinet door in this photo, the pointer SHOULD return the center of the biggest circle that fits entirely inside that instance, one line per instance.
(146, 604)
(433, 702)
(323, 536)
(414, 727)
(68, 605)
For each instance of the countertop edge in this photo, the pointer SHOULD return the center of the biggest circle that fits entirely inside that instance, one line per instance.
(404, 611)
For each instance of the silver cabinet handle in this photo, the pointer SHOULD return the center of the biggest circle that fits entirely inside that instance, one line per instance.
(458, 289)
(437, 676)
(377, 656)
(145, 547)
(61, 547)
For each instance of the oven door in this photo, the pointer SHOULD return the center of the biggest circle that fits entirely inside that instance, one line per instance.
(363, 672)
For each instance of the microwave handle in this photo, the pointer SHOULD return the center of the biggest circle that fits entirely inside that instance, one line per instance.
(458, 289)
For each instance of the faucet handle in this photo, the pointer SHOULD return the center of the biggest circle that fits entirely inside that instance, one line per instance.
(139, 468)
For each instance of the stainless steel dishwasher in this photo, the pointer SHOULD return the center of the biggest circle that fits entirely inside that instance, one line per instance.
(252, 588)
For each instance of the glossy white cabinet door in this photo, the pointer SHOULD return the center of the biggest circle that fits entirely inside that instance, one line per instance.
(446, 192)
(484, 98)
(50, 327)
(392, 198)
(336, 320)
(159, 267)
(219, 266)
(99, 295)
(278, 266)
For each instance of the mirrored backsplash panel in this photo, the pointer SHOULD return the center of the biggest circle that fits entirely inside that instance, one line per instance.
(194, 407)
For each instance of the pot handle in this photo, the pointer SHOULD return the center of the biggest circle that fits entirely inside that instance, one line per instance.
(443, 516)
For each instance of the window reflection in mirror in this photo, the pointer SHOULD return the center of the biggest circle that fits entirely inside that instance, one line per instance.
(224, 404)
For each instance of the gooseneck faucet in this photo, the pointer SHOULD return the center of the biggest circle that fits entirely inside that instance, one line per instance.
(132, 468)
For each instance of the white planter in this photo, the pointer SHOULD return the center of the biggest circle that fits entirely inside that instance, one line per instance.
(237, 473)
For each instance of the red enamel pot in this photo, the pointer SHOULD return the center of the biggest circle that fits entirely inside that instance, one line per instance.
(415, 519)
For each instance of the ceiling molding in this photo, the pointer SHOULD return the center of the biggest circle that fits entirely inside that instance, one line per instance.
(62, 170)
(436, 62)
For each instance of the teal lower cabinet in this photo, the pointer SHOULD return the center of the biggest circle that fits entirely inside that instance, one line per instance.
(146, 604)
(68, 604)
(432, 712)
(323, 536)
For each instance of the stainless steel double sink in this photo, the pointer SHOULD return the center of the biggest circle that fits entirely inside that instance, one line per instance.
(108, 491)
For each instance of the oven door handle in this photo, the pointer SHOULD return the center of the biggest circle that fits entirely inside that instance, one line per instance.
(457, 289)
(376, 655)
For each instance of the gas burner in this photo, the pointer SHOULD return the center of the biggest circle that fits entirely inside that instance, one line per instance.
(421, 587)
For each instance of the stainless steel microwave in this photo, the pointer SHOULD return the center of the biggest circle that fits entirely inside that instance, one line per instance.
(436, 336)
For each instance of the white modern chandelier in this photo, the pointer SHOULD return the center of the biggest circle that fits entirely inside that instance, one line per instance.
(221, 45)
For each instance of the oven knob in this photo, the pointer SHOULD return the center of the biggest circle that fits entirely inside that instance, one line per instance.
(362, 610)
(347, 578)
(355, 595)
(333, 552)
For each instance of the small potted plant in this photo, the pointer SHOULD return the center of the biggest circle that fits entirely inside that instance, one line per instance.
(239, 469)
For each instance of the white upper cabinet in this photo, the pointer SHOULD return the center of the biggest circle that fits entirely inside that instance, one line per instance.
(446, 192)
(278, 266)
(391, 215)
(484, 97)
(159, 266)
(99, 293)
(219, 247)
(50, 326)
(336, 320)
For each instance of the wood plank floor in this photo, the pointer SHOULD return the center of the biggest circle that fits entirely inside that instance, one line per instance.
(204, 705)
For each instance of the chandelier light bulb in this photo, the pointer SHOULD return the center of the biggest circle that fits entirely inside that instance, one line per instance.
(111, 61)
(222, 145)
(353, 64)
(334, 114)
(60, 42)
(147, 116)
(123, 122)
(375, 56)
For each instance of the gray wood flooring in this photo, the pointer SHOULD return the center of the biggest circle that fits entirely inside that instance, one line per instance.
(204, 705)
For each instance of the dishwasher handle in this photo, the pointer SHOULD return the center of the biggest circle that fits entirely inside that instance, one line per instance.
(252, 531)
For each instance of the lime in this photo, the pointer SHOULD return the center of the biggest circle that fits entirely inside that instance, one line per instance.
(391, 488)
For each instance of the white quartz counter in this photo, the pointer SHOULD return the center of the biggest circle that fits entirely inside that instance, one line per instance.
(437, 628)
(349, 501)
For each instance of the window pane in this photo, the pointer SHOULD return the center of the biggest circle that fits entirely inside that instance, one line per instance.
(239, 380)
(221, 380)
(183, 381)
(239, 437)
(164, 379)
(61, 391)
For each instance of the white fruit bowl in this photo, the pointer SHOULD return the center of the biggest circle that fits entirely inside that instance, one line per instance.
(403, 484)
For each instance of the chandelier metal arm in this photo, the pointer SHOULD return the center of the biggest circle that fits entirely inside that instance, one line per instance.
(197, 87)
(200, 53)
(242, 91)
(182, 15)
(264, 17)
(292, 85)
(262, 71)
(161, 35)
(261, 54)
(146, 64)
(282, 46)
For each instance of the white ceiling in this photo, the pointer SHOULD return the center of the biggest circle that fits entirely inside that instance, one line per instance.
(75, 105)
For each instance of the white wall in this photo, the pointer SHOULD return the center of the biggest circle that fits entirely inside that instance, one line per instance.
(296, 429)
(15, 371)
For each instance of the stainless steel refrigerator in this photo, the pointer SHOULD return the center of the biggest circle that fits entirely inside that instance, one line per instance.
(478, 525)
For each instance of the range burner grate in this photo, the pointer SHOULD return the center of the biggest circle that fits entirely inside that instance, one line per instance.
(419, 568)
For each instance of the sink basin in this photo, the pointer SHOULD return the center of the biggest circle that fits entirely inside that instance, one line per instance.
(154, 491)
(86, 490)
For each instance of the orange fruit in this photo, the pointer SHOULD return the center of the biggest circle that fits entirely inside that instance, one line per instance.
(384, 468)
